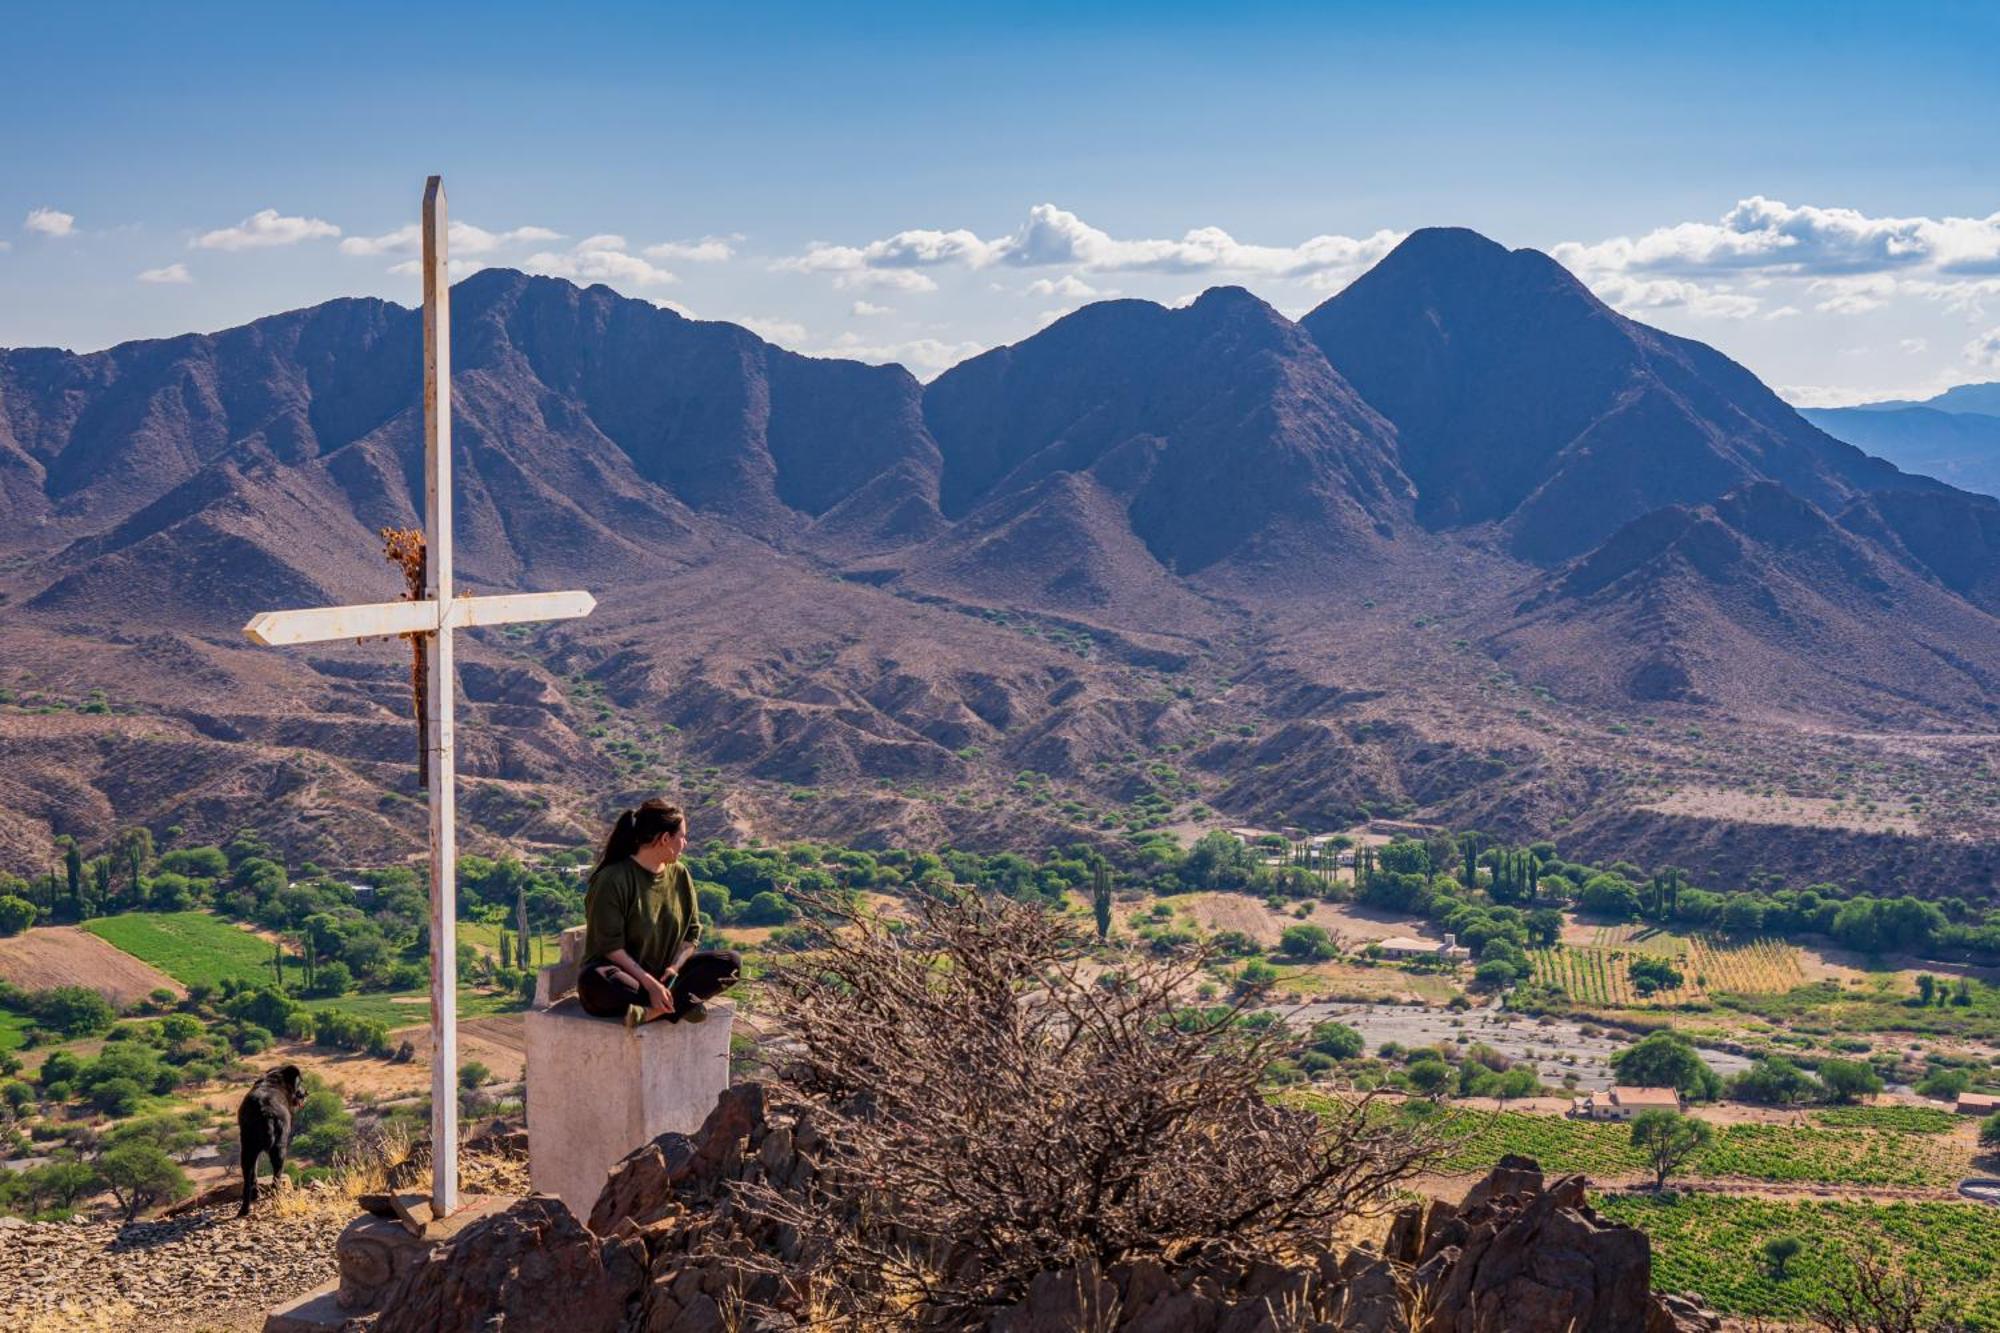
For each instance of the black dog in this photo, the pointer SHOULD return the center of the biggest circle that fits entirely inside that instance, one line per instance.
(265, 1118)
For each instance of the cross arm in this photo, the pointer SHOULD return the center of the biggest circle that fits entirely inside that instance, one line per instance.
(380, 619)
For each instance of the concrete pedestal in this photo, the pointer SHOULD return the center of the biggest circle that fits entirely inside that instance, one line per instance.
(596, 1091)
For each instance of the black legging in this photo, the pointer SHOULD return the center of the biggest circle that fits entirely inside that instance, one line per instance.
(607, 990)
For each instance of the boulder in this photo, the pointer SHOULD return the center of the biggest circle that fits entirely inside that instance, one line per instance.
(644, 1185)
(1520, 1255)
(531, 1269)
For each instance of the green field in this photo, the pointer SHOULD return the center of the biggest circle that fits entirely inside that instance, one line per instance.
(486, 939)
(12, 1026)
(201, 948)
(1902, 1119)
(194, 948)
(390, 1009)
(1781, 1154)
(1712, 1245)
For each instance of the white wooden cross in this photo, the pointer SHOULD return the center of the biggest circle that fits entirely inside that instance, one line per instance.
(436, 616)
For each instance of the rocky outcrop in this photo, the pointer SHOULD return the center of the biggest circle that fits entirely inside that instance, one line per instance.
(1519, 1254)
(670, 1249)
(531, 1269)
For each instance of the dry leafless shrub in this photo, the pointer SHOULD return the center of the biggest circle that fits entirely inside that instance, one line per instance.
(1878, 1297)
(1004, 1099)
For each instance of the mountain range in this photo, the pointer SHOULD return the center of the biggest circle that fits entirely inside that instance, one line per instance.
(1954, 436)
(1429, 550)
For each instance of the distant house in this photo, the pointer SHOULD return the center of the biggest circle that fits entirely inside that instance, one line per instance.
(1623, 1103)
(1405, 946)
(1977, 1103)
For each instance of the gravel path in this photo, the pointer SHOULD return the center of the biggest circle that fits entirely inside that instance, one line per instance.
(1544, 1042)
(204, 1270)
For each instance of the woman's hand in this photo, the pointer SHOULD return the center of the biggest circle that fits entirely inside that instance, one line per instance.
(662, 1000)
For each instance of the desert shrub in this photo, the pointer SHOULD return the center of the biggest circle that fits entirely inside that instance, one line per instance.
(1153, 1139)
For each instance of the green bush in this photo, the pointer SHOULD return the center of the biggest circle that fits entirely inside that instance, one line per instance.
(117, 1096)
(1309, 943)
(16, 914)
(74, 1011)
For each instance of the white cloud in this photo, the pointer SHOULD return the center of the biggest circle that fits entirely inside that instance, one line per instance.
(1052, 236)
(172, 273)
(6, 246)
(926, 358)
(456, 268)
(463, 239)
(49, 222)
(1767, 235)
(1983, 352)
(1783, 312)
(1853, 295)
(1915, 346)
(885, 279)
(676, 307)
(1067, 285)
(865, 308)
(1631, 294)
(784, 332)
(601, 258)
(264, 229)
(1830, 395)
(707, 250)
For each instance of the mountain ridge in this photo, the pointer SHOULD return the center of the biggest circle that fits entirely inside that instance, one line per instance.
(1170, 554)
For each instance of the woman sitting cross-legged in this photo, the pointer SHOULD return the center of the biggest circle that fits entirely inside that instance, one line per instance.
(641, 924)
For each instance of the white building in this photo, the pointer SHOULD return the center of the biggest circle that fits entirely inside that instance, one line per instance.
(1406, 946)
(1622, 1103)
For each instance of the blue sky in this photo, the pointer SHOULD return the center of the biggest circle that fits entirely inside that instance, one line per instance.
(919, 182)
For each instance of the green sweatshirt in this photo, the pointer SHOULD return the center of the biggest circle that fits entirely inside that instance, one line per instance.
(648, 916)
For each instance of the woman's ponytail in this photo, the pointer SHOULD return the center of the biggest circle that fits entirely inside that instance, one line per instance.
(636, 828)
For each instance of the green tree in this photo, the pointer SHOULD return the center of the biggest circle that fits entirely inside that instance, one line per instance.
(1100, 899)
(1848, 1080)
(73, 872)
(1519, 1081)
(1779, 1251)
(322, 1128)
(1310, 943)
(1335, 1039)
(140, 1175)
(1774, 1081)
(59, 1184)
(117, 1096)
(1668, 1139)
(74, 1011)
(1256, 975)
(1944, 1083)
(135, 851)
(1989, 1131)
(1429, 1074)
(1666, 1059)
(1926, 989)
(1651, 974)
(1545, 927)
(766, 909)
(16, 914)
(473, 1074)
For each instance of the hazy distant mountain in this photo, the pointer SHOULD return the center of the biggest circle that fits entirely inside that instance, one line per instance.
(1958, 445)
(1982, 398)
(1316, 563)
(1521, 399)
